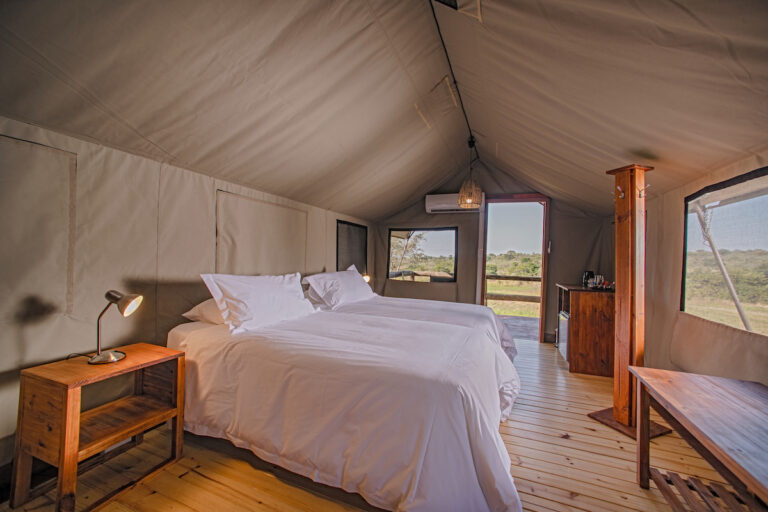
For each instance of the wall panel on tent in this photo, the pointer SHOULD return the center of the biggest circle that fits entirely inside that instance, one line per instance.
(144, 144)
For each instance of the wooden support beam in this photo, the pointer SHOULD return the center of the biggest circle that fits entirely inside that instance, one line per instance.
(629, 201)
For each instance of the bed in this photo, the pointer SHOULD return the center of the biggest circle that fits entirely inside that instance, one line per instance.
(403, 411)
(468, 315)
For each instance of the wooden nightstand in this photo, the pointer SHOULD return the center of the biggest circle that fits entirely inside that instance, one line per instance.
(52, 428)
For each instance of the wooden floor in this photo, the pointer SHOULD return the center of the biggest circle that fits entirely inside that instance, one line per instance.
(561, 459)
(522, 327)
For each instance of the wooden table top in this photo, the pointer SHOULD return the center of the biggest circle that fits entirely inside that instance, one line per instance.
(728, 416)
(77, 372)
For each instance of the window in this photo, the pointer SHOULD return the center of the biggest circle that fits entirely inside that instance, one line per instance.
(426, 255)
(351, 246)
(725, 267)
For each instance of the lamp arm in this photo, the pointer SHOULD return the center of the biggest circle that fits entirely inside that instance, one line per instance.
(98, 328)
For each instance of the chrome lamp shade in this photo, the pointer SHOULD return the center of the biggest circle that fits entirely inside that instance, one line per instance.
(126, 305)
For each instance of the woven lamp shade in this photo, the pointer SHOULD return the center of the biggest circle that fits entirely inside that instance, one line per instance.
(470, 195)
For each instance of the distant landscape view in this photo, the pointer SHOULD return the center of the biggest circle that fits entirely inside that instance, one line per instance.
(513, 245)
(422, 255)
(409, 261)
(707, 296)
(513, 263)
(731, 222)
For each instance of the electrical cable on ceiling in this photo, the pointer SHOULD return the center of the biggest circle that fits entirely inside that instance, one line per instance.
(471, 139)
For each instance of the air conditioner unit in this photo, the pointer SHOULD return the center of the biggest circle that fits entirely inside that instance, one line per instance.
(448, 203)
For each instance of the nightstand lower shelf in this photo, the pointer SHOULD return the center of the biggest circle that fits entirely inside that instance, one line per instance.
(115, 421)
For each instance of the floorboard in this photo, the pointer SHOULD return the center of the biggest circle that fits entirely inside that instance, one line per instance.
(561, 459)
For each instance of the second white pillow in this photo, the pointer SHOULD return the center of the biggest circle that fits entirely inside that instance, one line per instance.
(337, 288)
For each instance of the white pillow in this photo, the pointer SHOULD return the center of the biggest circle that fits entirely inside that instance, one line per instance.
(206, 311)
(316, 301)
(249, 302)
(337, 288)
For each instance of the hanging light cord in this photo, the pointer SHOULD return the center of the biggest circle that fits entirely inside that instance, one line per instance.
(471, 140)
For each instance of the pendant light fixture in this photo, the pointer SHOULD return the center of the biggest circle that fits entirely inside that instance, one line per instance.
(470, 194)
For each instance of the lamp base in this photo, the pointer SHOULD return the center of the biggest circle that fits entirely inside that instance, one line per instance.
(107, 356)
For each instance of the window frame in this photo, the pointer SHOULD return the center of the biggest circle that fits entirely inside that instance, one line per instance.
(455, 230)
(340, 221)
(736, 180)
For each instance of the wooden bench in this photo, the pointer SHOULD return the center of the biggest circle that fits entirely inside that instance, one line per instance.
(725, 420)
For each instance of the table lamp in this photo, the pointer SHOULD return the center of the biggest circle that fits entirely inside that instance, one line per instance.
(126, 304)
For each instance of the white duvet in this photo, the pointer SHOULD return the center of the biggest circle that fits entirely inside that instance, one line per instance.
(475, 316)
(404, 412)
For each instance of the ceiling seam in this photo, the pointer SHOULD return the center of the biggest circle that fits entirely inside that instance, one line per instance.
(450, 69)
(405, 70)
(28, 51)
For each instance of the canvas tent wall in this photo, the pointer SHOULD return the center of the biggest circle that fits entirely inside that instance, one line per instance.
(558, 92)
(675, 339)
(580, 240)
(81, 218)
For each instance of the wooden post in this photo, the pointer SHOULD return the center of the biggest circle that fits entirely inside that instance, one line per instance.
(629, 325)
(629, 200)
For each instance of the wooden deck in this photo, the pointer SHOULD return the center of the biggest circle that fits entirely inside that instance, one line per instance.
(561, 459)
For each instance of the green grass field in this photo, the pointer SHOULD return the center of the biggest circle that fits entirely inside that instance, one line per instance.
(513, 308)
(724, 311)
(509, 308)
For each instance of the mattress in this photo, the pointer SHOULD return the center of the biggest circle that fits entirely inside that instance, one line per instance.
(405, 413)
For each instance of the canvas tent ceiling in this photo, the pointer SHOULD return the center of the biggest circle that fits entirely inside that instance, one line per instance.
(339, 103)
(559, 91)
(345, 104)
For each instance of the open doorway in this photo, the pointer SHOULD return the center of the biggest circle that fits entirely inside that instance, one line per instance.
(515, 261)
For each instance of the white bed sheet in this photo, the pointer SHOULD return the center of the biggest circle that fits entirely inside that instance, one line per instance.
(404, 413)
(475, 316)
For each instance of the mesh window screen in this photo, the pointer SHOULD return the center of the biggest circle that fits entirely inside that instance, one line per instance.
(726, 256)
(351, 246)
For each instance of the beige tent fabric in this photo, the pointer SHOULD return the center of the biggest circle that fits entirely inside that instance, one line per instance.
(340, 103)
(580, 241)
(81, 218)
(676, 339)
(559, 91)
(38, 182)
(700, 346)
(251, 236)
(345, 104)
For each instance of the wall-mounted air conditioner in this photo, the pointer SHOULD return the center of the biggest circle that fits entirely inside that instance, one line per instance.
(448, 203)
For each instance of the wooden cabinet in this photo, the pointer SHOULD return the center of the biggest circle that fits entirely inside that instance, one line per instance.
(586, 329)
(51, 426)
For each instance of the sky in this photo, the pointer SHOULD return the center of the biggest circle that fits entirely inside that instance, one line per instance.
(439, 243)
(511, 226)
(515, 226)
(741, 226)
